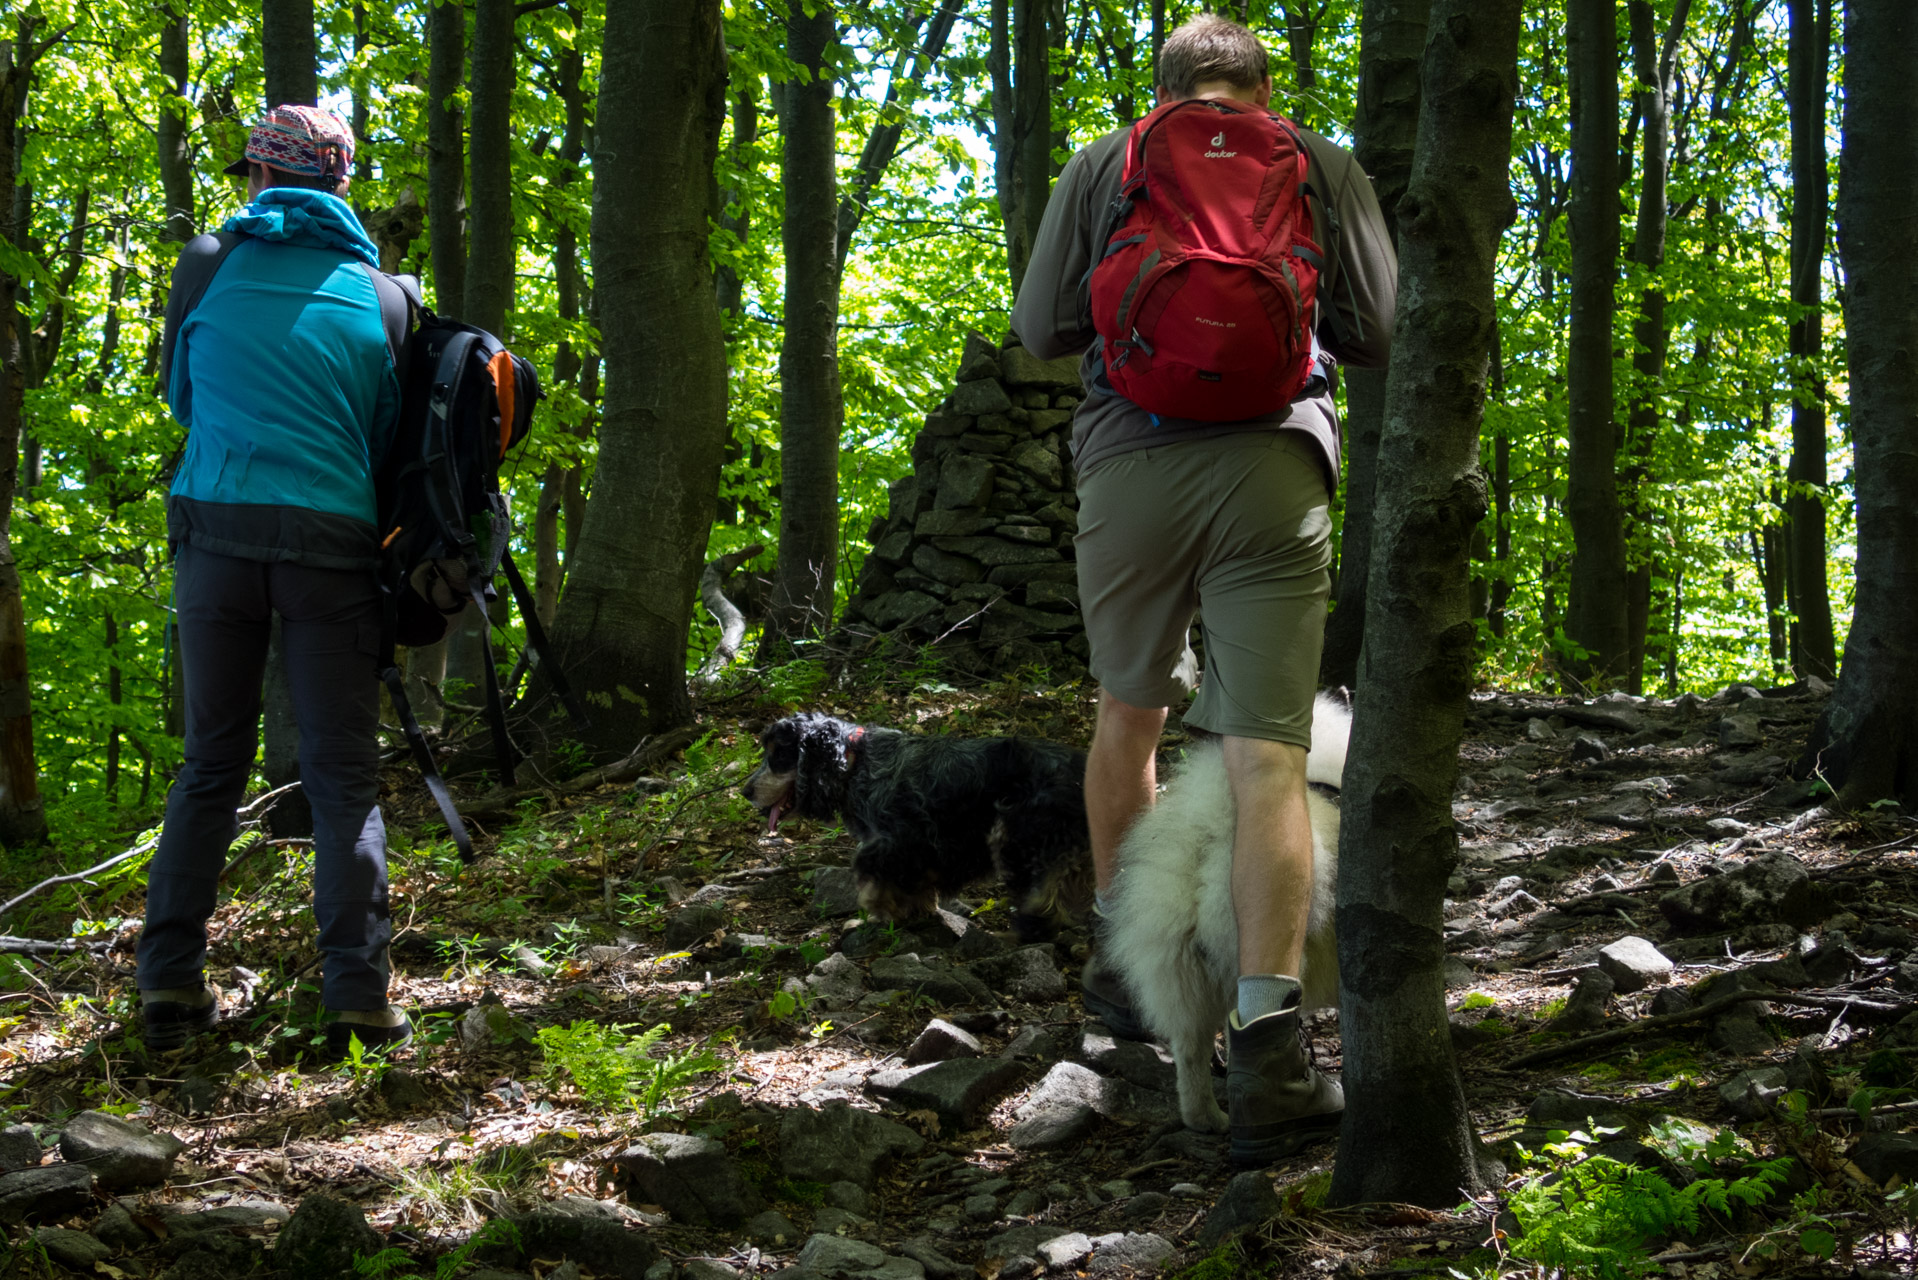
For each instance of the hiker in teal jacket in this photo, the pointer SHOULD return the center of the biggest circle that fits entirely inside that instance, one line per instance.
(279, 362)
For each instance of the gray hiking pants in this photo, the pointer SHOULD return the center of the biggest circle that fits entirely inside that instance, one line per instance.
(330, 624)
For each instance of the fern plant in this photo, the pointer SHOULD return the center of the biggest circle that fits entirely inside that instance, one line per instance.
(610, 1067)
(1598, 1216)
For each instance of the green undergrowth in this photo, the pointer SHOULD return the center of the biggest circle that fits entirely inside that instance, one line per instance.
(1590, 1215)
(611, 1068)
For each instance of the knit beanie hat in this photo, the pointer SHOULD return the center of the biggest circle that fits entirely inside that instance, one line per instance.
(299, 140)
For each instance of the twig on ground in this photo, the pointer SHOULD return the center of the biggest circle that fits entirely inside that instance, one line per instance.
(1616, 1035)
(95, 870)
(650, 751)
(13, 946)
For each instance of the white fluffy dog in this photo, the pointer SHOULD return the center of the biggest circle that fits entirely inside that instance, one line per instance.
(1170, 929)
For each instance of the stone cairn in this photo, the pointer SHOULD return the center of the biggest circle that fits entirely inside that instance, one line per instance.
(975, 550)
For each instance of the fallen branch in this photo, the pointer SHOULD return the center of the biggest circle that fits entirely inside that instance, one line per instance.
(650, 752)
(95, 870)
(732, 623)
(12, 946)
(1644, 1026)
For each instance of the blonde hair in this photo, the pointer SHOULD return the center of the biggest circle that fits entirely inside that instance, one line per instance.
(1211, 48)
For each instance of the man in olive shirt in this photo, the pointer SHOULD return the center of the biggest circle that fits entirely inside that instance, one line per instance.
(1232, 516)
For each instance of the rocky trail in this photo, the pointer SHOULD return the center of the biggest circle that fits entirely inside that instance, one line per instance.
(1651, 930)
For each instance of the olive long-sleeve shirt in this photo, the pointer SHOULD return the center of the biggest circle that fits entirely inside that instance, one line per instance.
(1053, 313)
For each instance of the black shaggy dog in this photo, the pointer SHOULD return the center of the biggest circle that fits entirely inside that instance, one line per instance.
(933, 814)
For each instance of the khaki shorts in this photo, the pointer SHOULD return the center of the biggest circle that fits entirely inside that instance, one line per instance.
(1237, 526)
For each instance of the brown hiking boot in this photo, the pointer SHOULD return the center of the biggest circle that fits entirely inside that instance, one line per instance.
(1103, 992)
(1276, 1099)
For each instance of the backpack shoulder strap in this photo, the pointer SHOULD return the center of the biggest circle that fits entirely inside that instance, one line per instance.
(199, 260)
(398, 305)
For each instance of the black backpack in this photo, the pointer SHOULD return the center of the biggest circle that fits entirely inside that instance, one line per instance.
(443, 523)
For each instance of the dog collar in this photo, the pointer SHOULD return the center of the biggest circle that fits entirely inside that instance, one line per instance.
(852, 740)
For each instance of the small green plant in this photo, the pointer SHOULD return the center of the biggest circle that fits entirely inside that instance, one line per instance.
(1594, 1216)
(612, 1068)
(795, 682)
(364, 1065)
(1477, 1000)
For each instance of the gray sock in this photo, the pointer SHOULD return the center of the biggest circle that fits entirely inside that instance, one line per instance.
(1265, 993)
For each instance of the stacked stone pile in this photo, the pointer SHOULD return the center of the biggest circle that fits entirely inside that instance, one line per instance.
(976, 545)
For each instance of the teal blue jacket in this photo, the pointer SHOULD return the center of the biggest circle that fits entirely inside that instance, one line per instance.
(283, 377)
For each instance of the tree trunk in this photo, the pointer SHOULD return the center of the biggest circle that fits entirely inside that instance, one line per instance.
(1301, 30)
(176, 164)
(446, 154)
(627, 607)
(1866, 742)
(1813, 649)
(23, 818)
(489, 255)
(1595, 617)
(1391, 44)
(810, 404)
(1020, 58)
(1406, 1134)
(735, 215)
(548, 563)
(1653, 65)
(290, 53)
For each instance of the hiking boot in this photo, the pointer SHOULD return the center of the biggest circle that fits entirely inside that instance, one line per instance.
(1104, 994)
(376, 1029)
(1276, 1100)
(168, 1019)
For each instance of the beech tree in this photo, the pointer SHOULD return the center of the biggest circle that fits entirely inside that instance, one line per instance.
(1865, 744)
(810, 406)
(1595, 617)
(1812, 645)
(1385, 132)
(1406, 1134)
(620, 630)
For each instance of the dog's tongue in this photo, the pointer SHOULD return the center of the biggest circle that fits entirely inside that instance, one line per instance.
(773, 816)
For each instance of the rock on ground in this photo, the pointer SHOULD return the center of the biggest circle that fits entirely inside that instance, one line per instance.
(1248, 1200)
(50, 1191)
(1633, 964)
(691, 1177)
(596, 1241)
(958, 1090)
(120, 1154)
(321, 1239)
(1771, 887)
(841, 1142)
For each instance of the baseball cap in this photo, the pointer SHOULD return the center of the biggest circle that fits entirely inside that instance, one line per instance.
(298, 140)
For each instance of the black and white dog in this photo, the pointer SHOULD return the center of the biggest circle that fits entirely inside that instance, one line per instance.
(1170, 929)
(933, 814)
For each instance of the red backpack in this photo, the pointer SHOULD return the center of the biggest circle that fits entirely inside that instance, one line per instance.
(1205, 293)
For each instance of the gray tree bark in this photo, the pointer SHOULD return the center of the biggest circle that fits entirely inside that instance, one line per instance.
(810, 405)
(1866, 742)
(627, 606)
(489, 253)
(290, 53)
(446, 154)
(1595, 616)
(1653, 66)
(1813, 648)
(23, 817)
(1406, 1134)
(1391, 45)
(176, 165)
(559, 480)
(1020, 60)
